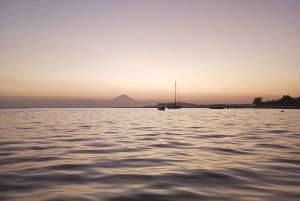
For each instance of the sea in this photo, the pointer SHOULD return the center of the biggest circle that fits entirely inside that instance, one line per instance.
(134, 154)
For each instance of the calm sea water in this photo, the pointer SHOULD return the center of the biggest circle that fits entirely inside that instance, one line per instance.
(146, 154)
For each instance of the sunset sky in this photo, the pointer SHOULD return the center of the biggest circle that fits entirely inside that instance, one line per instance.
(225, 51)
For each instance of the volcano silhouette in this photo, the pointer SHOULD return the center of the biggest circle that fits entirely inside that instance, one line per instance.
(123, 101)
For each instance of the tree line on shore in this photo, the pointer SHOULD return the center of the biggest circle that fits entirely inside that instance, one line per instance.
(286, 101)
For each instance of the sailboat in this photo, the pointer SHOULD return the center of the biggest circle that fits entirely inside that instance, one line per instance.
(174, 105)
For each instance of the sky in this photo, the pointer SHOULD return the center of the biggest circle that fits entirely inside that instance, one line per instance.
(218, 51)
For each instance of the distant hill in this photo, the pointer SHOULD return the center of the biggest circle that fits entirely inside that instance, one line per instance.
(149, 103)
(184, 105)
(122, 101)
(126, 101)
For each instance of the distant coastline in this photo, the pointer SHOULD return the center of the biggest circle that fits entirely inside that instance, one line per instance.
(124, 101)
(286, 102)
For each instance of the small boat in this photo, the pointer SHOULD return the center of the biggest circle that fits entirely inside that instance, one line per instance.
(161, 106)
(174, 105)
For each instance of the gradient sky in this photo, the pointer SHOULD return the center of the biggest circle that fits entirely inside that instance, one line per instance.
(225, 51)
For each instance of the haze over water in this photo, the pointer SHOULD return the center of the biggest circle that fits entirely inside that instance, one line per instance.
(145, 154)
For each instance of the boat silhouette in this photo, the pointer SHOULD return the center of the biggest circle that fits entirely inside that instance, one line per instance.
(175, 105)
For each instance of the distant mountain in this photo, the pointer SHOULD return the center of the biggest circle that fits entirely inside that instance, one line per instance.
(126, 101)
(123, 101)
(123, 97)
(149, 103)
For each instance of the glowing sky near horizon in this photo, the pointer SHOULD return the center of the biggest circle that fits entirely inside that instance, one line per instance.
(230, 51)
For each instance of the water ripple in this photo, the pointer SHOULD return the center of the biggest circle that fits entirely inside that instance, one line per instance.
(142, 154)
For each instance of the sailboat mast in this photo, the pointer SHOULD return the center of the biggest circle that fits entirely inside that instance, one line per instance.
(175, 93)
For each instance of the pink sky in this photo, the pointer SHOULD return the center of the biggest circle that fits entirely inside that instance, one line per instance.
(217, 51)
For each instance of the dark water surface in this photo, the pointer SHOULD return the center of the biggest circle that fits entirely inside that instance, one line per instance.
(146, 154)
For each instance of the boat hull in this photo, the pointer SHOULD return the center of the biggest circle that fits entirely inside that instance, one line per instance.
(173, 106)
(161, 106)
